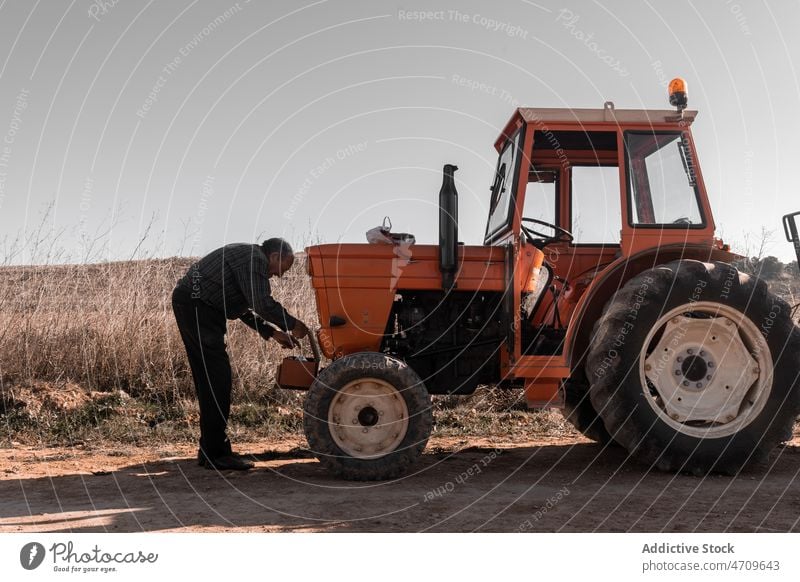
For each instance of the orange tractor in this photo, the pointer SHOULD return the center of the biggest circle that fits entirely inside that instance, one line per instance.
(600, 289)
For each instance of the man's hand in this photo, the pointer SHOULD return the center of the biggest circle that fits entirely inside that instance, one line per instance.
(299, 330)
(284, 339)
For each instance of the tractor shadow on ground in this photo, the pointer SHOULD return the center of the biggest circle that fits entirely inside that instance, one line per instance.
(578, 487)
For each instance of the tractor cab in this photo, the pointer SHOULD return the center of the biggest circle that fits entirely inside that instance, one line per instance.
(575, 194)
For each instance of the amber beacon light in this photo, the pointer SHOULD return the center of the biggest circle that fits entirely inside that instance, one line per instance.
(678, 96)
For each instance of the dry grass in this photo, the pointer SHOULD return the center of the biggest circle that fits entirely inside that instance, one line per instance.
(104, 329)
(91, 352)
(110, 327)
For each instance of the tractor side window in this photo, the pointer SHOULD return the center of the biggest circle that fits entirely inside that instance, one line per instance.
(596, 214)
(662, 180)
(500, 203)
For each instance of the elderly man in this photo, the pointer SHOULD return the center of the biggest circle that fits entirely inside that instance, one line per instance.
(231, 282)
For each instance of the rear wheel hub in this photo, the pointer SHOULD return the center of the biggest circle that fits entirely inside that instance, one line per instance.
(706, 369)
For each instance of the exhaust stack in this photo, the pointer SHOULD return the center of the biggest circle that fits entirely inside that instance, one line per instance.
(448, 228)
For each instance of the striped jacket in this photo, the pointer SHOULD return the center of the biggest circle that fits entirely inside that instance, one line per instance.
(234, 279)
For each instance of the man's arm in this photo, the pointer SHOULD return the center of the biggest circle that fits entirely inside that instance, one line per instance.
(264, 329)
(254, 285)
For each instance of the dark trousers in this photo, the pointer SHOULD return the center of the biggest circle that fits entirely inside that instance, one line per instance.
(203, 332)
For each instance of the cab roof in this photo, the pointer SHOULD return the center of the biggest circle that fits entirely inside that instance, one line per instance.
(607, 116)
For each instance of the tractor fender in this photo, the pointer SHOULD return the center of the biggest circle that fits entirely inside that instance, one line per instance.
(611, 279)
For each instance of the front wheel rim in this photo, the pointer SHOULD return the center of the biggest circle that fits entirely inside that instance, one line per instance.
(706, 369)
(368, 418)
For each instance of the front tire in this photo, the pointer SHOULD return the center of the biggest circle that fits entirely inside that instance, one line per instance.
(694, 368)
(367, 417)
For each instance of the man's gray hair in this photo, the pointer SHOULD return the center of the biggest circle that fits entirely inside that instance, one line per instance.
(277, 245)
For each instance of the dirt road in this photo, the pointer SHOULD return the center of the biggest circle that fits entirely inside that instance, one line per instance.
(460, 485)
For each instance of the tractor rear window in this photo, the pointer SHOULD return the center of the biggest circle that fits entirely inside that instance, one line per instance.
(596, 216)
(662, 182)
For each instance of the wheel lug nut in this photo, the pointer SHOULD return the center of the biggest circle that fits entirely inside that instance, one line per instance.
(365, 429)
(677, 372)
(690, 351)
(685, 383)
(708, 377)
(679, 358)
(710, 364)
(699, 384)
(355, 421)
(702, 353)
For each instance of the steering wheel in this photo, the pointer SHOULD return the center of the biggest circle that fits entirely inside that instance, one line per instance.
(561, 234)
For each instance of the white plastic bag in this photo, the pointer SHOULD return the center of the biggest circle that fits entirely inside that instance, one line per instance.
(383, 235)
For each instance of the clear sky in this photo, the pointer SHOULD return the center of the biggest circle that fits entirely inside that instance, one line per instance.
(231, 121)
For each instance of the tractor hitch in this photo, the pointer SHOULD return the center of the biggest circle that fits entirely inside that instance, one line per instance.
(299, 372)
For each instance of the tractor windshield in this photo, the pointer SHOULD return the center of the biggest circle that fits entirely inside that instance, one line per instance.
(662, 180)
(501, 206)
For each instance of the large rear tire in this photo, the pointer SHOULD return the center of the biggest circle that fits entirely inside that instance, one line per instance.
(367, 417)
(694, 367)
(580, 413)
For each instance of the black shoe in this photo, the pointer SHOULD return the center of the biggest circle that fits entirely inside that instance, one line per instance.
(229, 462)
(201, 457)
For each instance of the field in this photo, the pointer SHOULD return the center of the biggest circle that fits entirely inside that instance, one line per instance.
(99, 425)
